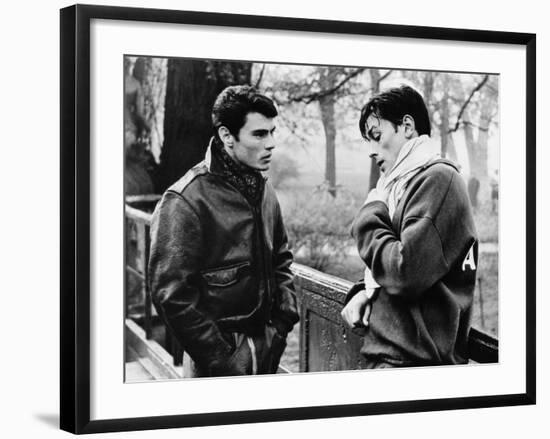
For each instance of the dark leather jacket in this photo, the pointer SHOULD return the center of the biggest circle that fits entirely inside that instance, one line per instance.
(220, 267)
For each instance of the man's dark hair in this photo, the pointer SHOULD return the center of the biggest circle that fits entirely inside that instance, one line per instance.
(234, 103)
(392, 105)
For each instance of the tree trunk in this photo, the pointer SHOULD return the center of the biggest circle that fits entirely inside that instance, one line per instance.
(327, 115)
(444, 114)
(477, 149)
(374, 170)
(326, 104)
(139, 162)
(483, 139)
(473, 158)
(428, 87)
(192, 87)
(451, 149)
(479, 165)
(151, 72)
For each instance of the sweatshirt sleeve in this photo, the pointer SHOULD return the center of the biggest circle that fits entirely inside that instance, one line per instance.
(410, 262)
(176, 243)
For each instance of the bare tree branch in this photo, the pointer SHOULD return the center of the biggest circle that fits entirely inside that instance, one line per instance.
(480, 128)
(466, 102)
(384, 76)
(310, 97)
(492, 88)
(260, 77)
(488, 121)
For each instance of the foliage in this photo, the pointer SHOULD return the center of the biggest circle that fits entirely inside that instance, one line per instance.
(151, 73)
(318, 226)
(463, 105)
(485, 315)
(486, 221)
(283, 168)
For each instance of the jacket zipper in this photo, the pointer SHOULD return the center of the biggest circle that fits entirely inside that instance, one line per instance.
(257, 215)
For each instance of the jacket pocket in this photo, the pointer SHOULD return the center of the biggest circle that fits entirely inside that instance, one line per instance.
(225, 276)
(229, 292)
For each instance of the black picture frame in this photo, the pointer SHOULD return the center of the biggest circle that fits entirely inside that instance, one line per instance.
(75, 216)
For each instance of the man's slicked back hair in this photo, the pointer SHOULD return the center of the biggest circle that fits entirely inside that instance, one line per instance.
(392, 105)
(234, 103)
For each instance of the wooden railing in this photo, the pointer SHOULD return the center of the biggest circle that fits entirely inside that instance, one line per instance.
(325, 343)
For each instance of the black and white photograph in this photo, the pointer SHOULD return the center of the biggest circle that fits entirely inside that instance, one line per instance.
(275, 219)
(292, 219)
(289, 218)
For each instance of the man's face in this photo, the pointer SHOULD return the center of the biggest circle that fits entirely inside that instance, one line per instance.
(256, 142)
(385, 142)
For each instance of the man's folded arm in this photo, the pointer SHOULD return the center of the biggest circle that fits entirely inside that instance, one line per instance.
(406, 265)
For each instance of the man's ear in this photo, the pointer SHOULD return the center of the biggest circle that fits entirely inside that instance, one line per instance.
(410, 127)
(226, 137)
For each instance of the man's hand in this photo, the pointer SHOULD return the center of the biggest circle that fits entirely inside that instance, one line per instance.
(357, 312)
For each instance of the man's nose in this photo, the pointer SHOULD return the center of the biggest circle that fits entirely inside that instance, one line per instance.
(374, 149)
(270, 143)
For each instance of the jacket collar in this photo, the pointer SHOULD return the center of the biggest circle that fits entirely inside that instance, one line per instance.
(249, 182)
(213, 162)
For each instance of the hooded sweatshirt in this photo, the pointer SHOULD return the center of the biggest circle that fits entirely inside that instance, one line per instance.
(424, 258)
(412, 158)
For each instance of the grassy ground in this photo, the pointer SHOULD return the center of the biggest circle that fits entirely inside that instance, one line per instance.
(486, 295)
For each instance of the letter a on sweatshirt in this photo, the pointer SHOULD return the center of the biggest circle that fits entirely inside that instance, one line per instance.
(469, 260)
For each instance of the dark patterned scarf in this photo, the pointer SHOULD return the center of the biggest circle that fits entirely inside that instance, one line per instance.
(249, 182)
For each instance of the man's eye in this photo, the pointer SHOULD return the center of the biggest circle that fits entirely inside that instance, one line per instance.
(376, 137)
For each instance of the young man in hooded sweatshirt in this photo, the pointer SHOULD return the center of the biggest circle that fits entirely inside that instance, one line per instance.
(416, 235)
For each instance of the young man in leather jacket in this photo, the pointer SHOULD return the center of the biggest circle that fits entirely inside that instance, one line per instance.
(219, 267)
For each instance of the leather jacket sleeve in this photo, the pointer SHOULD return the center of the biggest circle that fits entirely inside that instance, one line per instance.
(285, 313)
(176, 246)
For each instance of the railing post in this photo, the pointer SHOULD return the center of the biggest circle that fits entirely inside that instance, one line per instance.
(147, 293)
(126, 247)
(304, 327)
